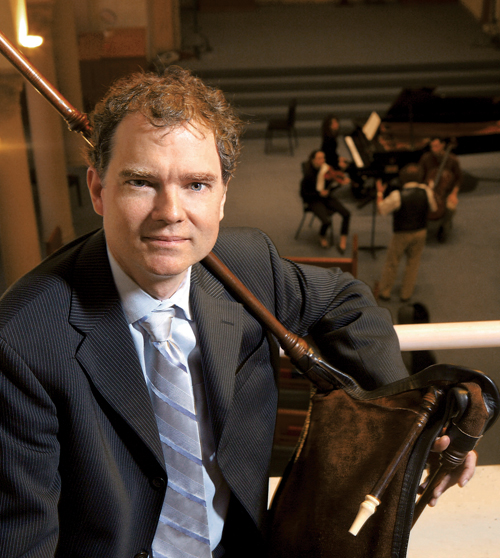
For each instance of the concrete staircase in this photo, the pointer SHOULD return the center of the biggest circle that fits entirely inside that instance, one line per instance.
(351, 93)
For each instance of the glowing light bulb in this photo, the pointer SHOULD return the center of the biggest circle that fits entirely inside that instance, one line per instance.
(25, 40)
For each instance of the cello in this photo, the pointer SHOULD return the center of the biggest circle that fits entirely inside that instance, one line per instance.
(443, 182)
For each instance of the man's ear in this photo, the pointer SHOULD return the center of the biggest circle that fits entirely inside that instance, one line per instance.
(95, 188)
(223, 201)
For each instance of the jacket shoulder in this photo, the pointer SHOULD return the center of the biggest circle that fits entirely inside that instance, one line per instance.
(242, 242)
(48, 282)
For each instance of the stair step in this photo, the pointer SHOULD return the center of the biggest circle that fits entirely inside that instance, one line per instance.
(439, 67)
(350, 93)
(246, 86)
(305, 128)
(315, 112)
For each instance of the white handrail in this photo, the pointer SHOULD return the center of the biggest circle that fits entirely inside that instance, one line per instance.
(454, 335)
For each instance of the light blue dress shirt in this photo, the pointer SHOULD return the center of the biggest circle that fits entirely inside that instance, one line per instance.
(136, 304)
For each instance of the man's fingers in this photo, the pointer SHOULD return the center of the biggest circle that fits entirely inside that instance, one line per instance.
(469, 468)
(461, 476)
(440, 444)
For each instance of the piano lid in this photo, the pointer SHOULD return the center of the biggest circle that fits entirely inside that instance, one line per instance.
(417, 116)
(423, 105)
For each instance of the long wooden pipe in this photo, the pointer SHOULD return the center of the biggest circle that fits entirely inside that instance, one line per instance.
(77, 121)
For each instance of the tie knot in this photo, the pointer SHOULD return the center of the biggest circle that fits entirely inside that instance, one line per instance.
(158, 324)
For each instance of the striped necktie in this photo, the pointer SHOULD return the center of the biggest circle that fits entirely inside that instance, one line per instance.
(183, 528)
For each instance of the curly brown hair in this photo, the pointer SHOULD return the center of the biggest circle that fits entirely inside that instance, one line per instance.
(166, 100)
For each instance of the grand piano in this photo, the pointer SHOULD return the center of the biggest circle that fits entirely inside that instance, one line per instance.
(382, 146)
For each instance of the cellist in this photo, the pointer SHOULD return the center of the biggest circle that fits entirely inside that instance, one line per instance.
(443, 173)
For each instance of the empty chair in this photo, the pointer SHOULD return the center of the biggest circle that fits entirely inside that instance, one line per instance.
(283, 125)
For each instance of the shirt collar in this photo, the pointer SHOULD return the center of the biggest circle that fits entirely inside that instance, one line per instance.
(409, 185)
(137, 303)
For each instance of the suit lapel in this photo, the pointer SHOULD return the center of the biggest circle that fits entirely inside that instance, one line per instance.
(220, 326)
(108, 355)
(107, 352)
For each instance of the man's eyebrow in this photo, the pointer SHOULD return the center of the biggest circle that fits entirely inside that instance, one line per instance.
(199, 177)
(138, 172)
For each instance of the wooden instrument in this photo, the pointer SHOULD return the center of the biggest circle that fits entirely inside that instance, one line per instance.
(443, 184)
(336, 176)
(77, 121)
(393, 420)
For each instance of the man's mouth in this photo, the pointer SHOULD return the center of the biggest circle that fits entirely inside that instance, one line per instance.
(167, 240)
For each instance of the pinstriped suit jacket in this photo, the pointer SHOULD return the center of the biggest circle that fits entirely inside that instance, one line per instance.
(81, 471)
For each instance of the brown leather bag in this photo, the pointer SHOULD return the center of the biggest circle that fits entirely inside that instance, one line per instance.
(350, 439)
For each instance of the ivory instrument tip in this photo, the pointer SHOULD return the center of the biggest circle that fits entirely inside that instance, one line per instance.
(366, 510)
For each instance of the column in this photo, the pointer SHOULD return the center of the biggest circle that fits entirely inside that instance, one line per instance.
(67, 65)
(19, 242)
(164, 26)
(47, 132)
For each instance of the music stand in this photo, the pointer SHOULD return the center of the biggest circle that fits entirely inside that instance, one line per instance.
(369, 130)
(373, 248)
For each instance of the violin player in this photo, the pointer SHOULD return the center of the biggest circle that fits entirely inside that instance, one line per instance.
(317, 188)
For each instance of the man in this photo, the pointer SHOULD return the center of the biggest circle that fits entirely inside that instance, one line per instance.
(85, 437)
(446, 187)
(316, 189)
(410, 208)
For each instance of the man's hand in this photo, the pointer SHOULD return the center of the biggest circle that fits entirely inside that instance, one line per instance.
(380, 186)
(461, 475)
(452, 199)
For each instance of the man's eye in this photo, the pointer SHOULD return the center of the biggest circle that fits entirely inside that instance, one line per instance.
(197, 186)
(138, 183)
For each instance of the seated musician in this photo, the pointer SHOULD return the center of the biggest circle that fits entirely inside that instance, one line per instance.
(316, 189)
(329, 145)
(443, 173)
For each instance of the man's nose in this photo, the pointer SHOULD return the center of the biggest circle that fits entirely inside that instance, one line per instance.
(169, 205)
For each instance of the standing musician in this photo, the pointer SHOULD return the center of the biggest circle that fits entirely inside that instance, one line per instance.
(138, 397)
(443, 173)
(410, 208)
(317, 190)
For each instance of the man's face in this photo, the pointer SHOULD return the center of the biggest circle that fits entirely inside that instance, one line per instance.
(437, 147)
(319, 159)
(161, 199)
